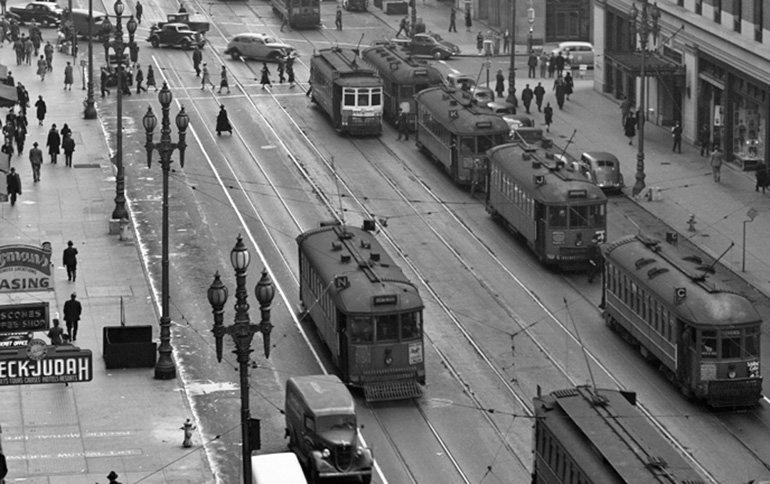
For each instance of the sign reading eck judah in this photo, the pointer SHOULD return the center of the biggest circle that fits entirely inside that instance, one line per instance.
(24, 317)
(25, 268)
(61, 364)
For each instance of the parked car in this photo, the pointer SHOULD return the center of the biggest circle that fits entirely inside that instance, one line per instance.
(576, 53)
(427, 44)
(605, 170)
(175, 35)
(44, 13)
(257, 46)
(482, 94)
(80, 19)
(323, 431)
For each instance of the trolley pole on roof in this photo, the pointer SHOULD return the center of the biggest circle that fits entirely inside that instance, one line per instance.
(512, 72)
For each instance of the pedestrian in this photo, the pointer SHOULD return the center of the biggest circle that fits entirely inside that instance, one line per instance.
(630, 128)
(337, 19)
(290, 69)
(532, 64)
(133, 52)
(223, 121)
(21, 133)
(265, 80)
(65, 130)
(548, 113)
(551, 65)
(205, 77)
(595, 259)
(403, 26)
(48, 52)
(72, 311)
(539, 93)
(197, 58)
(285, 22)
(480, 43)
(53, 143)
(716, 160)
(13, 185)
(526, 97)
(41, 110)
(29, 49)
(3, 4)
(70, 260)
(499, 83)
(762, 175)
(402, 123)
(453, 20)
(543, 64)
(676, 133)
(55, 333)
(151, 78)
(468, 20)
(35, 159)
(113, 478)
(138, 9)
(103, 80)
(506, 41)
(68, 78)
(703, 139)
(560, 89)
(559, 62)
(182, 9)
(7, 148)
(42, 68)
(18, 48)
(139, 78)
(281, 70)
(625, 109)
(10, 81)
(569, 84)
(68, 145)
(126, 80)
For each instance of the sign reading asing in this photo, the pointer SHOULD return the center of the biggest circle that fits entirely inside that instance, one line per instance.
(25, 268)
(24, 317)
(60, 364)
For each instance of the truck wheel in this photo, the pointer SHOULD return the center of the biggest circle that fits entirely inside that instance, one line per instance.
(235, 54)
(438, 55)
(155, 42)
(185, 44)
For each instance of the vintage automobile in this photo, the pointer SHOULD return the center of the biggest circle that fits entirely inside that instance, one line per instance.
(605, 170)
(576, 53)
(45, 13)
(482, 94)
(323, 431)
(257, 46)
(175, 35)
(427, 44)
(200, 25)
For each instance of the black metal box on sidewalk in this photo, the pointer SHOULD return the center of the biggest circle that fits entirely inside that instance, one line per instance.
(395, 8)
(128, 347)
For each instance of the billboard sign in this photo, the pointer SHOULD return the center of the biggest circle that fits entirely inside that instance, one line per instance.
(17, 318)
(25, 268)
(39, 363)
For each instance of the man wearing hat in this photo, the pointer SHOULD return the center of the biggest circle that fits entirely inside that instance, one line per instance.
(36, 159)
(113, 477)
(70, 261)
(72, 310)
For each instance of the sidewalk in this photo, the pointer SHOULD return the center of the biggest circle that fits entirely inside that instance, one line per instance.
(123, 420)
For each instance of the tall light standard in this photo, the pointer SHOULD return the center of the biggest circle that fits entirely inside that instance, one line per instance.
(644, 24)
(531, 20)
(242, 331)
(119, 47)
(751, 214)
(90, 108)
(164, 368)
(512, 72)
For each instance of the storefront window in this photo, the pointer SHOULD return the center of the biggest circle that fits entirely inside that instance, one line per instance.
(748, 130)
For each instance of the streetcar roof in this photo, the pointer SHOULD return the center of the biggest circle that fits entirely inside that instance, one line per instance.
(663, 269)
(586, 422)
(456, 110)
(539, 175)
(345, 67)
(322, 394)
(401, 68)
(373, 281)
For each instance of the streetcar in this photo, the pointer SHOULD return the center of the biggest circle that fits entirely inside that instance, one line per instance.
(299, 14)
(365, 310)
(456, 132)
(348, 91)
(545, 198)
(672, 304)
(402, 77)
(586, 435)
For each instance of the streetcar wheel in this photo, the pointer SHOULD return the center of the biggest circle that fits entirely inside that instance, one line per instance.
(235, 55)
(155, 42)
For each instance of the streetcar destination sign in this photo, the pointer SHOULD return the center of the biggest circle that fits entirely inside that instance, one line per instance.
(32, 365)
(24, 317)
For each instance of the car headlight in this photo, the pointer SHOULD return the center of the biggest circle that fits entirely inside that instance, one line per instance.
(359, 451)
(326, 453)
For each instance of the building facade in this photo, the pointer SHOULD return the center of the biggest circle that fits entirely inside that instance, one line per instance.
(707, 66)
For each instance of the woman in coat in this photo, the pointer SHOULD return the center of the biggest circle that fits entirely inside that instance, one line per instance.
(265, 80)
(53, 143)
(630, 128)
(41, 109)
(763, 177)
(223, 122)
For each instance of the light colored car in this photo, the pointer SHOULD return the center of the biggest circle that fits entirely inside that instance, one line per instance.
(577, 53)
(257, 46)
(605, 170)
(482, 94)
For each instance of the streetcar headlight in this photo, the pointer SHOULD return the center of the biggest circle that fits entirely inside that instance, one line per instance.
(359, 451)
(388, 357)
(731, 371)
(326, 453)
(578, 240)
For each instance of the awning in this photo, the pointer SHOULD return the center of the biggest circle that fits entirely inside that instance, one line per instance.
(8, 96)
(654, 65)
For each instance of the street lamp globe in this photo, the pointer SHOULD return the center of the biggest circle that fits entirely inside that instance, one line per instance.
(165, 96)
(217, 293)
(265, 291)
(131, 25)
(149, 121)
(239, 256)
(182, 120)
(119, 8)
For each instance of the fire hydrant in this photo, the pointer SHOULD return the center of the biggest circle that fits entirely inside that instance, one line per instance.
(691, 223)
(188, 428)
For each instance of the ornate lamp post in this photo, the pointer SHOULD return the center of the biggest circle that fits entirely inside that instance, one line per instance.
(164, 368)
(119, 47)
(242, 331)
(512, 72)
(531, 20)
(644, 24)
(90, 108)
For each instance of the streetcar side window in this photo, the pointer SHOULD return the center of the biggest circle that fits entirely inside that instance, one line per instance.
(361, 330)
(387, 327)
(411, 325)
(557, 217)
(708, 347)
(596, 215)
(731, 347)
(376, 97)
(751, 346)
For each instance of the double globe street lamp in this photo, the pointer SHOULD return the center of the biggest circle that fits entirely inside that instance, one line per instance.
(164, 367)
(242, 332)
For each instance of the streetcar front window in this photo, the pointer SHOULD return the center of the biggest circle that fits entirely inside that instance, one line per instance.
(596, 216)
(557, 217)
(708, 347)
(387, 327)
(411, 326)
(349, 98)
(731, 347)
(363, 97)
(467, 144)
(485, 143)
(751, 346)
(578, 217)
(361, 330)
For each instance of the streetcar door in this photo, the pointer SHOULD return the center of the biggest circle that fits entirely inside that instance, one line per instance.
(540, 221)
(686, 355)
(342, 335)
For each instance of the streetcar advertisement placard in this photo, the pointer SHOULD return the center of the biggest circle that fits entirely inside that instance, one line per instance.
(39, 363)
(25, 268)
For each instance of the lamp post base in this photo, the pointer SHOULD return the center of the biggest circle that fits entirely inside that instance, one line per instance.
(90, 111)
(164, 368)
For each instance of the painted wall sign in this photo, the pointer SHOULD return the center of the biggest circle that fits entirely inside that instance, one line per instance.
(58, 364)
(25, 268)
(24, 317)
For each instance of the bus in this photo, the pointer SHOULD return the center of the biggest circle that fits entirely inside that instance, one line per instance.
(299, 14)
(402, 77)
(456, 132)
(348, 92)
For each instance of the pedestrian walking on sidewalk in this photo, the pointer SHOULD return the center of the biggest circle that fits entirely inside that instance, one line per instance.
(716, 160)
(569, 85)
(72, 312)
(42, 68)
(548, 113)
(223, 121)
(453, 20)
(539, 93)
(506, 41)
(403, 26)
(558, 64)
(20, 134)
(402, 124)
(205, 77)
(676, 133)
(265, 80)
(48, 52)
(113, 478)
(703, 139)
(13, 184)
(223, 80)
(468, 20)
(65, 130)
(138, 10)
(70, 260)
(499, 83)
(625, 110)
(56, 333)
(41, 110)
(29, 49)
(103, 79)
(53, 143)
(281, 69)
(532, 64)
(480, 43)
(630, 128)
(139, 78)
(543, 64)
(68, 77)
(68, 145)
(338, 18)
(290, 70)
(526, 97)
(151, 79)
(560, 88)
(762, 175)
(197, 58)
(36, 160)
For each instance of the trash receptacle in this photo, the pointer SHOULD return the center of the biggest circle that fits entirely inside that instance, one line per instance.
(487, 47)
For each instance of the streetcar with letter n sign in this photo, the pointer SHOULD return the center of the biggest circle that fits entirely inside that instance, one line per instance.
(347, 90)
(546, 199)
(686, 318)
(456, 132)
(299, 14)
(402, 77)
(365, 309)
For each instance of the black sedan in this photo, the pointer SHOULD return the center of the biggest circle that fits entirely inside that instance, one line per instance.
(44, 13)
